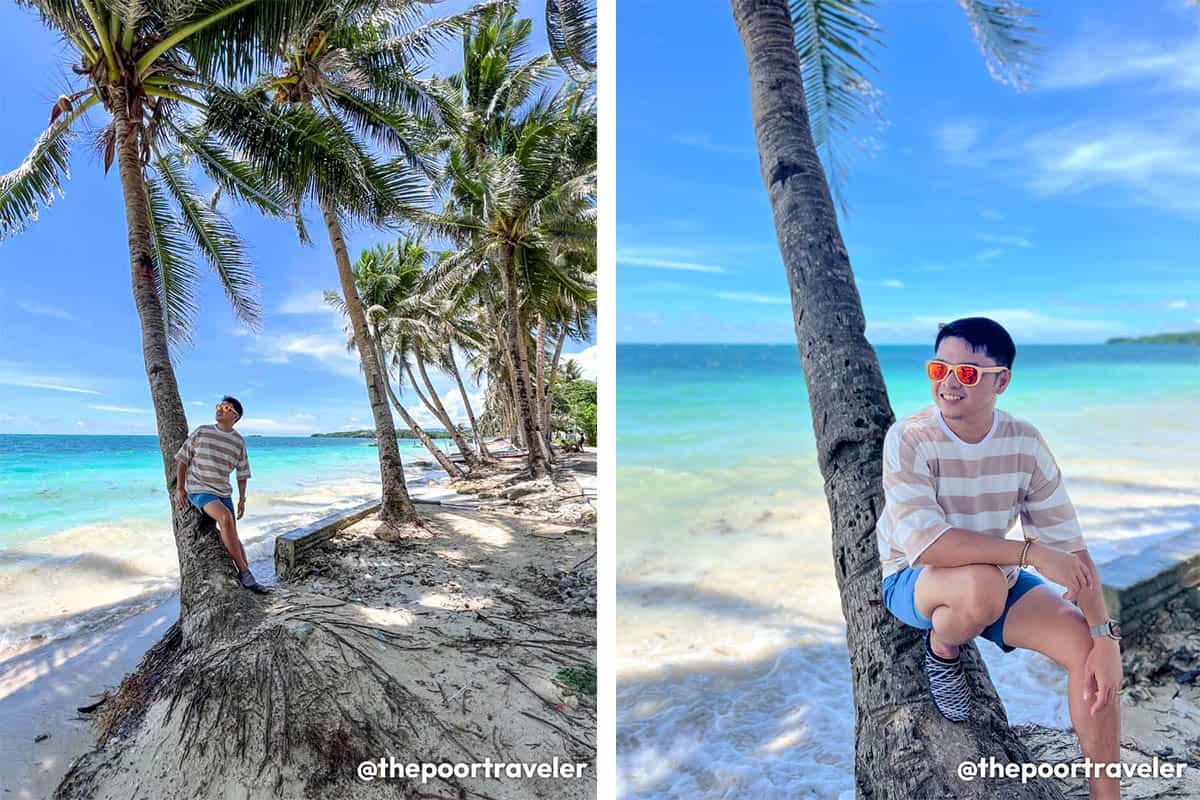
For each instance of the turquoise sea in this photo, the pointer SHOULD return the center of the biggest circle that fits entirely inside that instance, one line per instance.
(733, 676)
(85, 524)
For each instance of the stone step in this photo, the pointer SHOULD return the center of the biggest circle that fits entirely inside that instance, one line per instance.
(1137, 585)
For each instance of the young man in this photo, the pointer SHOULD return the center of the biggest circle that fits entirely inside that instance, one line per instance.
(203, 465)
(956, 477)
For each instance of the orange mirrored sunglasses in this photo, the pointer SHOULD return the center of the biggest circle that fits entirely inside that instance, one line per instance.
(226, 407)
(967, 374)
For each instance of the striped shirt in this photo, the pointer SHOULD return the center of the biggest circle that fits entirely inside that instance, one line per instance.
(933, 481)
(211, 454)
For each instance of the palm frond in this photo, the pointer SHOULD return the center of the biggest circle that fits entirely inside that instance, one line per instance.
(571, 29)
(34, 184)
(232, 175)
(834, 39)
(174, 272)
(213, 235)
(1005, 33)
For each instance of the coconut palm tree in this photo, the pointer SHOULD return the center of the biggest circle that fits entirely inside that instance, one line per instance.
(140, 69)
(851, 412)
(383, 281)
(571, 29)
(352, 74)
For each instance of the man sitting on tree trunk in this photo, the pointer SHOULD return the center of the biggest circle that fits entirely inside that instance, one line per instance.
(203, 465)
(956, 476)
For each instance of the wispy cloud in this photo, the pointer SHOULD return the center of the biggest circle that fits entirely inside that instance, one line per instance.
(1025, 325)
(752, 297)
(121, 409)
(990, 253)
(328, 350)
(636, 260)
(16, 375)
(888, 283)
(311, 302)
(1005, 240)
(46, 311)
(1099, 57)
(958, 141)
(705, 142)
(267, 426)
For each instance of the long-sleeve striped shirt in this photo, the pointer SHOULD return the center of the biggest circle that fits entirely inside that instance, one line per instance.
(933, 481)
(211, 454)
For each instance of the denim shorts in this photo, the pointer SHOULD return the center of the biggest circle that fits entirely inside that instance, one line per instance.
(201, 499)
(899, 590)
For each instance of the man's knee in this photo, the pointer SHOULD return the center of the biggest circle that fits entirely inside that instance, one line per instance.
(983, 594)
(1073, 640)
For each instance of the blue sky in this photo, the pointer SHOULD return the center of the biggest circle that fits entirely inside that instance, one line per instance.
(70, 347)
(1068, 212)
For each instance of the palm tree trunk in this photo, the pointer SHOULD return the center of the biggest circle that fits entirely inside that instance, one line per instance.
(514, 423)
(520, 362)
(851, 414)
(204, 586)
(539, 382)
(548, 408)
(462, 390)
(451, 468)
(467, 453)
(397, 505)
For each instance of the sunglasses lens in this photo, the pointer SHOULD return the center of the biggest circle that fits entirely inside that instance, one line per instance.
(967, 375)
(936, 370)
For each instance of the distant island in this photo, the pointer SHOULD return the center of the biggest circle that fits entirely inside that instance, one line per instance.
(1162, 338)
(402, 433)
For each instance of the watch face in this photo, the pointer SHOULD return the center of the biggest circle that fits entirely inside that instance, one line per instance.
(1114, 630)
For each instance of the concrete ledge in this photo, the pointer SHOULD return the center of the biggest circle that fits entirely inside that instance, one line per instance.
(1138, 585)
(291, 546)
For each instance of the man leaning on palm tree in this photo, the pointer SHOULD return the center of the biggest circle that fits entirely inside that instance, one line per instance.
(203, 465)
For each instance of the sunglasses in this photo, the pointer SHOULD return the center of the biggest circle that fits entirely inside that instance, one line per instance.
(226, 407)
(967, 374)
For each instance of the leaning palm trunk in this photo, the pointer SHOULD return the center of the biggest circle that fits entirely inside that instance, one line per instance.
(851, 414)
(451, 468)
(467, 453)
(514, 417)
(484, 455)
(520, 368)
(548, 406)
(397, 505)
(539, 381)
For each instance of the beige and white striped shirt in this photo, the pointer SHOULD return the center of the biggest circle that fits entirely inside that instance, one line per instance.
(933, 481)
(211, 454)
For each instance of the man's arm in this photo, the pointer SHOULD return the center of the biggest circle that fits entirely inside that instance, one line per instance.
(1091, 599)
(958, 547)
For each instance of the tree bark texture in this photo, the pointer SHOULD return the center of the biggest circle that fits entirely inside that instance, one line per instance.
(397, 506)
(484, 455)
(520, 362)
(904, 748)
(441, 413)
(451, 468)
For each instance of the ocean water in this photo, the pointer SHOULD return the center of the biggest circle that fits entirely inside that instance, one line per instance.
(733, 675)
(85, 523)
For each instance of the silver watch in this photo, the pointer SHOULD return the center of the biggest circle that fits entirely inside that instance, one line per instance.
(1111, 629)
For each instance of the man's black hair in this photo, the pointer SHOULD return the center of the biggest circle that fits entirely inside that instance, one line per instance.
(982, 334)
(233, 401)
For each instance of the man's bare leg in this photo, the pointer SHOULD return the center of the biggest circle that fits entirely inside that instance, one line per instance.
(227, 527)
(1041, 620)
(961, 601)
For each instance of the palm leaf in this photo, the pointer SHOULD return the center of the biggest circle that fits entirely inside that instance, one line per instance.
(235, 176)
(35, 183)
(1004, 31)
(571, 29)
(213, 235)
(175, 273)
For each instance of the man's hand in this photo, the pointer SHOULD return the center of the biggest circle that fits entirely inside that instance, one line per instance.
(181, 499)
(1063, 568)
(241, 506)
(1102, 674)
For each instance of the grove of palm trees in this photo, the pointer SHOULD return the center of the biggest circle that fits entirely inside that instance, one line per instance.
(480, 183)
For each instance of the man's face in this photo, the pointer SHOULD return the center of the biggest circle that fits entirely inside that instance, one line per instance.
(956, 401)
(226, 413)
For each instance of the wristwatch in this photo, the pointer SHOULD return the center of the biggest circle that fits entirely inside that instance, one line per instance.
(1111, 629)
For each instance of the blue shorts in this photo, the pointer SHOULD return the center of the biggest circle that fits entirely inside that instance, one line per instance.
(200, 500)
(899, 597)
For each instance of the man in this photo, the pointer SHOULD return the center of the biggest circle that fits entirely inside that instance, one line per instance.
(203, 465)
(956, 476)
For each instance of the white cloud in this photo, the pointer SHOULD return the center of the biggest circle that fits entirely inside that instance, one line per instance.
(1025, 325)
(752, 297)
(196, 403)
(121, 409)
(1178, 305)
(328, 350)
(307, 417)
(46, 311)
(1099, 57)
(588, 360)
(1006, 240)
(892, 283)
(312, 302)
(958, 140)
(988, 255)
(268, 426)
(633, 260)
(705, 142)
(15, 375)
